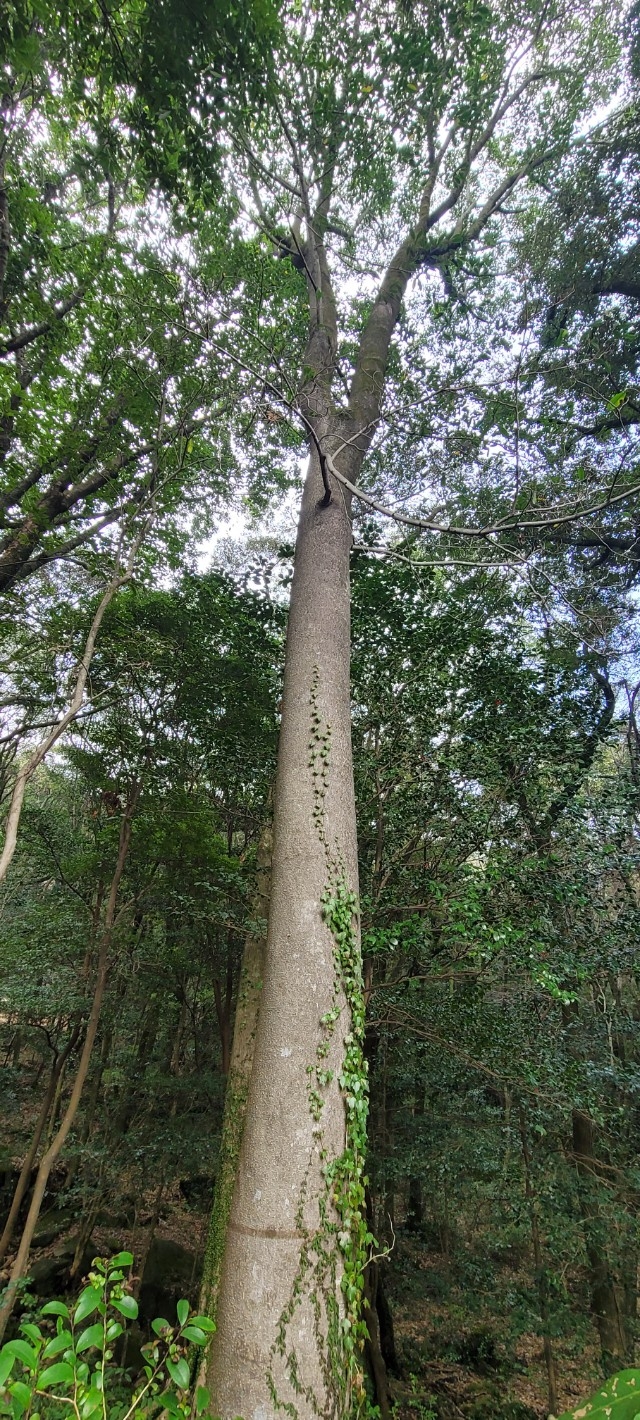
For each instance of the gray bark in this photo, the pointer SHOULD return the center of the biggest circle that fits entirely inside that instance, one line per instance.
(261, 1357)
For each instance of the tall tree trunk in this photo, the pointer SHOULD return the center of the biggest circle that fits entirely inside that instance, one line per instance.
(415, 1200)
(605, 1305)
(55, 1148)
(57, 1071)
(541, 1276)
(280, 1338)
(223, 1004)
(240, 1067)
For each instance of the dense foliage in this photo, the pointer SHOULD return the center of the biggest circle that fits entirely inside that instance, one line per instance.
(175, 184)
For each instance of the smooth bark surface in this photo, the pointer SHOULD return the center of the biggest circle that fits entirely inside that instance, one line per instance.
(259, 1360)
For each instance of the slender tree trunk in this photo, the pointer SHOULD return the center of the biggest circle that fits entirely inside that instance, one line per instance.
(90, 1110)
(280, 1301)
(57, 1071)
(22, 1257)
(34, 760)
(605, 1306)
(223, 1005)
(543, 1296)
(415, 1201)
(240, 1067)
(87, 1225)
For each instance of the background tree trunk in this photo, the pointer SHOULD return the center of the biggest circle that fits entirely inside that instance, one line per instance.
(18, 1270)
(241, 1064)
(605, 1306)
(57, 1072)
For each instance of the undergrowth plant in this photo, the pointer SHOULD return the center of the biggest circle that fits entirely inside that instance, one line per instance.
(65, 1363)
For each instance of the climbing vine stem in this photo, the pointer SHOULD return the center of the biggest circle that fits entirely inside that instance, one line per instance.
(345, 1175)
(333, 1255)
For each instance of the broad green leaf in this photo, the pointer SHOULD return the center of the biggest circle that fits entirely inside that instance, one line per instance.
(24, 1352)
(6, 1363)
(55, 1309)
(204, 1322)
(91, 1401)
(182, 1310)
(59, 1374)
(169, 1402)
(87, 1303)
(203, 1399)
(33, 1332)
(618, 1399)
(179, 1372)
(160, 1324)
(62, 1342)
(20, 1395)
(91, 1336)
(128, 1306)
(122, 1259)
(195, 1334)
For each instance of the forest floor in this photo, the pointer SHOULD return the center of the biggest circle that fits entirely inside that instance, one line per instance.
(460, 1349)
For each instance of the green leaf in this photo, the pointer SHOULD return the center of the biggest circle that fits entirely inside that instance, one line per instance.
(87, 1303)
(21, 1394)
(204, 1322)
(92, 1399)
(6, 1363)
(24, 1352)
(33, 1332)
(55, 1309)
(195, 1334)
(618, 1399)
(203, 1399)
(183, 1311)
(59, 1374)
(179, 1372)
(92, 1336)
(128, 1306)
(160, 1324)
(58, 1343)
(122, 1259)
(168, 1402)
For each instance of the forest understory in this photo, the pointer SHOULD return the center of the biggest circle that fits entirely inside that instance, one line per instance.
(455, 1349)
